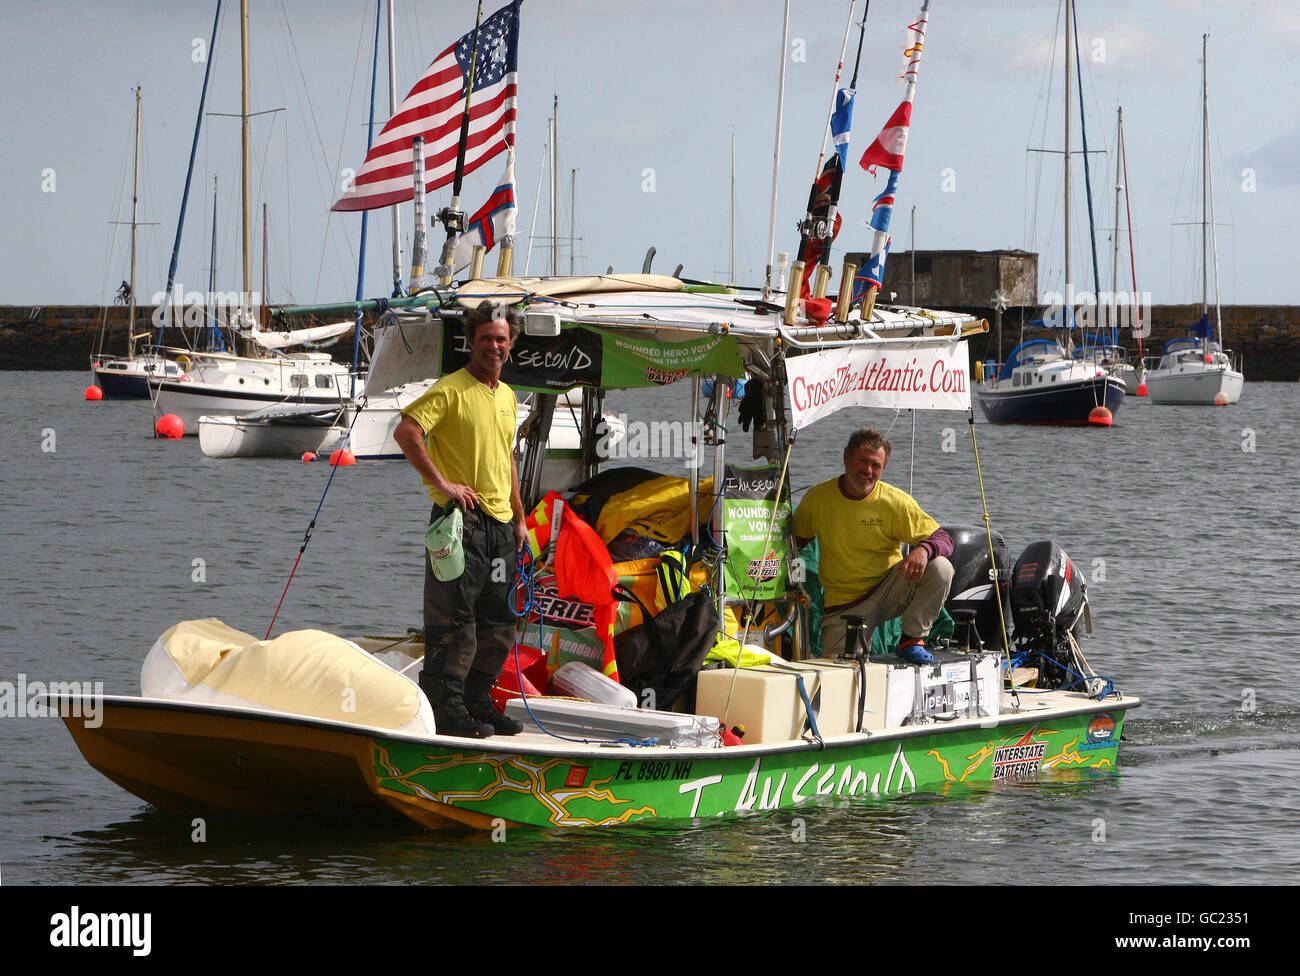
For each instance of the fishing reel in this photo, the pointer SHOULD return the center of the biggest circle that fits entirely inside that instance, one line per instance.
(814, 227)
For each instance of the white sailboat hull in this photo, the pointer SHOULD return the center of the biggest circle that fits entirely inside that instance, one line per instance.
(240, 437)
(1194, 383)
(234, 387)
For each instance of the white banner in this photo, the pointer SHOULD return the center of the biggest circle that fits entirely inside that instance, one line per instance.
(916, 376)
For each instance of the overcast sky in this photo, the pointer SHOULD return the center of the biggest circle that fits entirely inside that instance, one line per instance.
(650, 94)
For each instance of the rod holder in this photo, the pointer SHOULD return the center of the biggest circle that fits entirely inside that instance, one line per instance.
(504, 260)
(845, 299)
(821, 281)
(792, 296)
(476, 262)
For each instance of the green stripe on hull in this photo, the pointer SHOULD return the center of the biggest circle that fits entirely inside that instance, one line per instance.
(586, 791)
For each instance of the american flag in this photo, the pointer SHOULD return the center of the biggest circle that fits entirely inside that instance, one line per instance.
(434, 108)
(494, 220)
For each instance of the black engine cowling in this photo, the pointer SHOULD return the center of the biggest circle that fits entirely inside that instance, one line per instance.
(972, 589)
(1048, 595)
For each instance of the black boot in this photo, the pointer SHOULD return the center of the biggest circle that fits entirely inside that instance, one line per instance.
(450, 715)
(478, 701)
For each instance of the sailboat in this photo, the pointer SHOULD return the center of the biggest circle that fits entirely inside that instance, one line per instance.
(123, 379)
(223, 383)
(1042, 382)
(1102, 347)
(1196, 368)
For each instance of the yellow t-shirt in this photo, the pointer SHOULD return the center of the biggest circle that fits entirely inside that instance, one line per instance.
(469, 430)
(858, 540)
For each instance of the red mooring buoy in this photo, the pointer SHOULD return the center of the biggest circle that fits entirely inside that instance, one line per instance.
(1100, 416)
(1142, 389)
(1221, 399)
(94, 393)
(309, 457)
(343, 457)
(170, 427)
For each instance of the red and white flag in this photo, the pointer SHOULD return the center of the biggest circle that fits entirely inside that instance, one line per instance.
(434, 108)
(494, 221)
(888, 149)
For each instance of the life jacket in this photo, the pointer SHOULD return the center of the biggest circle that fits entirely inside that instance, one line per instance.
(583, 568)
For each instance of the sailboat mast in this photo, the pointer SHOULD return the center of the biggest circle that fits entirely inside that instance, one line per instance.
(555, 185)
(246, 162)
(776, 154)
(731, 254)
(573, 210)
(1119, 188)
(392, 110)
(1205, 177)
(135, 217)
(1069, 46)
(210, 342)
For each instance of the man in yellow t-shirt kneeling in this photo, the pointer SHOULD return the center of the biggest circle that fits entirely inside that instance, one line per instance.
(860, 524)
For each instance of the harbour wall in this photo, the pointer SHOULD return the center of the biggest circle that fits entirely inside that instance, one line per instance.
(1266, 337)
(66, 336)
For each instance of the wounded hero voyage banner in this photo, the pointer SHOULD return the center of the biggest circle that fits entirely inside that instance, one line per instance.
(915, 376)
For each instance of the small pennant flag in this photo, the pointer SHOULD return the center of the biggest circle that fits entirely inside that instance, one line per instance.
(494, 221)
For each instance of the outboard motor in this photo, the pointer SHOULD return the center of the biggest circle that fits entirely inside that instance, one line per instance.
(972, 591)
(1049, 601)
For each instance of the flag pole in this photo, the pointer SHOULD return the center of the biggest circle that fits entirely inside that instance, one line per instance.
(880, 242)
(452, 217)
(776, 155)
(835, 88)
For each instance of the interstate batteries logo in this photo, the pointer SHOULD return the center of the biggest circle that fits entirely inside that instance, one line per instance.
(1019, 760)
(1100, 733)
(764, 569)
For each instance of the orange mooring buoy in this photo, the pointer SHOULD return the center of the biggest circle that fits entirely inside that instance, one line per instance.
(309, 457)
(94, 393)
(170, 427)
(1142, 389)
(1221, 399)
(343, 457)
(1100, 416)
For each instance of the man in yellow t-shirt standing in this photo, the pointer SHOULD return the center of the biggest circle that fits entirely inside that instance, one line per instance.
(459, 436)
(860, 523)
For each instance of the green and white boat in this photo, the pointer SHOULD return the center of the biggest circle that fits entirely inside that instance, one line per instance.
(196, 751)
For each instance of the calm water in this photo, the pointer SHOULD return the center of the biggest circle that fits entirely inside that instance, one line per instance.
(1183, 519)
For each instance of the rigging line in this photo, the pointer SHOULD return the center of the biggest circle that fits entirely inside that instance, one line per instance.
(993, 562)
(347, 116)
(312, 524)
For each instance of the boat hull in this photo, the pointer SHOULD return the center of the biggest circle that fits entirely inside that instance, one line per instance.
(1063, 404)
(239, 437)
(125, 379)
(1194, 383)
(187, 758)
(190, 401)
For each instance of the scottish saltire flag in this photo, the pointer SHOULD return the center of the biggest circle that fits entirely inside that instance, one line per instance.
(494, 221)
(434, 108)
(841, 123)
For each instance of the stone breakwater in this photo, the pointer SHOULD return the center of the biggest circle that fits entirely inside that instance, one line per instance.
(66, 336)
(1266, 337)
